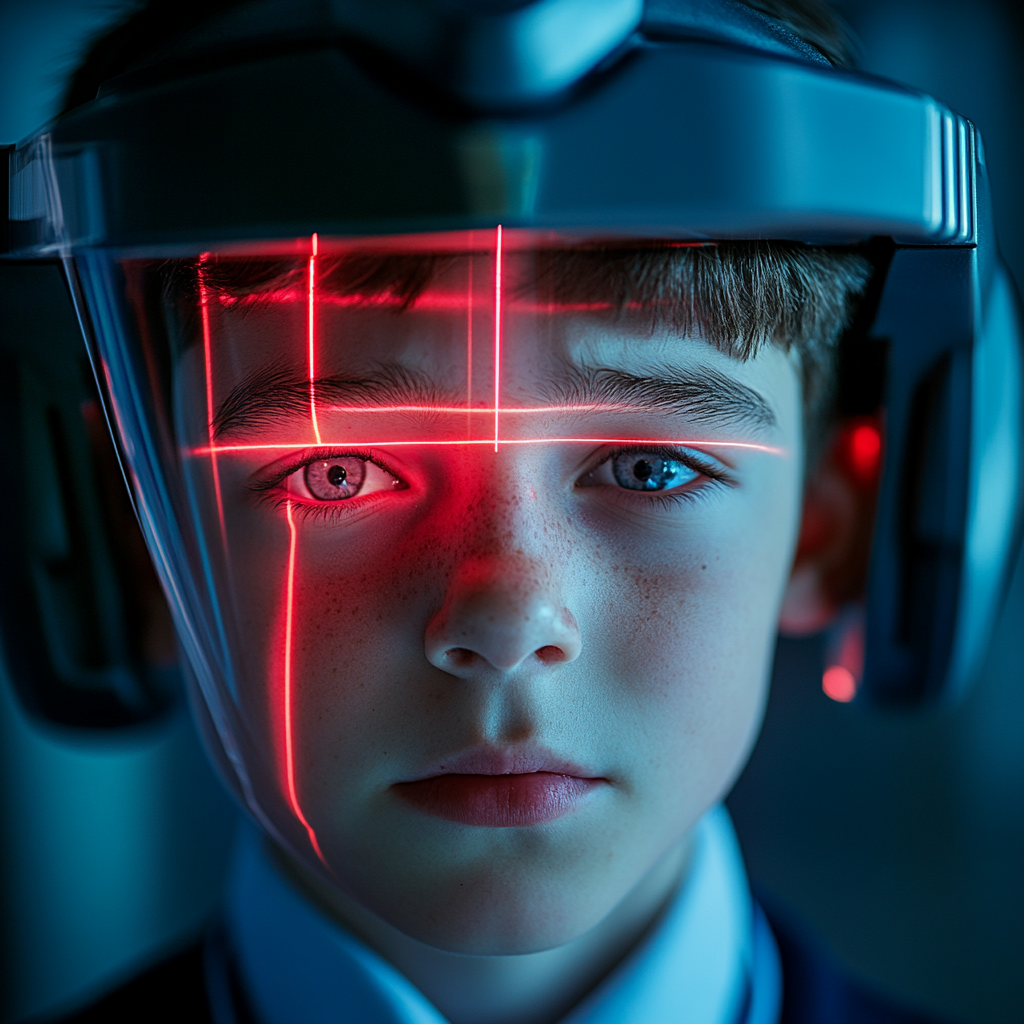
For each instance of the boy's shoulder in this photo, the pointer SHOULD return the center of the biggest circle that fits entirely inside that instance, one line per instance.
(177, 989)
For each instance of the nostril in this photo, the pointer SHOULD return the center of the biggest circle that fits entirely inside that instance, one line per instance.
(460, 657)
(550, 654)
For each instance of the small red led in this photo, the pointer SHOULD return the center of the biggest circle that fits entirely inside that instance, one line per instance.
(839, 684)
(844, 657)
(864, 446)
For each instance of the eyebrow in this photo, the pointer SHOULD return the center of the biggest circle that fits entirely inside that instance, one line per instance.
(704, 394)
(272, 392)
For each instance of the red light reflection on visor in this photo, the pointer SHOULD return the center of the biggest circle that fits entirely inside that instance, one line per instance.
(497, 335)
(289, 745)
(204, 307)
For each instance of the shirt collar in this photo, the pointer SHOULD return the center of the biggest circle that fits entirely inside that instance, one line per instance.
(704, 962)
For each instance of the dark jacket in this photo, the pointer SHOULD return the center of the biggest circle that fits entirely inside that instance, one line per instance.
(184, 988)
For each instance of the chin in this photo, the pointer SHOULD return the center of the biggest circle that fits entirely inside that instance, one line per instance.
(492, 920)
(505, 907)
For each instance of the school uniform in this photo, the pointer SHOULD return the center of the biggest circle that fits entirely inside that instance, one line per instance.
(711, 958)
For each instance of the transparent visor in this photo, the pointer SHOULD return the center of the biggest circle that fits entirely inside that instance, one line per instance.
(303, 419)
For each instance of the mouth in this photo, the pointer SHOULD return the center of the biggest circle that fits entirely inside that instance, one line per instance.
(501, 789)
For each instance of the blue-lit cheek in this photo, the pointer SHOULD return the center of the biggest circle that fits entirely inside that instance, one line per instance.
(646, 471)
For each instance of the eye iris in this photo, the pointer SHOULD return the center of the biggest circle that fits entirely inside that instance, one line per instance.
(649, 472)
(335, 479)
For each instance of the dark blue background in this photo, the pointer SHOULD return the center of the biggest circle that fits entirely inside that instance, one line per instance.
(899, 837)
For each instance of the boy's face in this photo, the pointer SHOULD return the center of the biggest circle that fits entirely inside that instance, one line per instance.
(493, 688)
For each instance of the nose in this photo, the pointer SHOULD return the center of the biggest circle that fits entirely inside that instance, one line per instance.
(500, 614)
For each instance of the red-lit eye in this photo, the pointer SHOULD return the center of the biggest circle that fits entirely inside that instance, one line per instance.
(341, 478)
(335, 479)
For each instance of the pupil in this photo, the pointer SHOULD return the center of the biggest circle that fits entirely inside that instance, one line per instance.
(336, 476)
(643, 470)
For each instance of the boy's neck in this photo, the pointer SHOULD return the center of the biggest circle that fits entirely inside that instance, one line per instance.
(533, 988)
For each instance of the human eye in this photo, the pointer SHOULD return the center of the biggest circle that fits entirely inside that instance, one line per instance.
(659, 471)
(323, 481)
(340, 478)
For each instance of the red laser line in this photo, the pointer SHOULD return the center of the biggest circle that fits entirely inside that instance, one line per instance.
(427, 301)
(208, 366)
(312, 339)
(289, 756)
(349, 444)
(469, 345)
(506, 410)
(497, 334)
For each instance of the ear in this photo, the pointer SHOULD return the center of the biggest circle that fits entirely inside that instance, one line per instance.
(831, 562)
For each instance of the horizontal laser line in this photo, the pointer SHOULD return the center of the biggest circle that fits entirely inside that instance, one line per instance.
(488, 410)
(660, 441)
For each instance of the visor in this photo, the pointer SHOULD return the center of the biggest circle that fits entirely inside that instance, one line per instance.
(304, 273)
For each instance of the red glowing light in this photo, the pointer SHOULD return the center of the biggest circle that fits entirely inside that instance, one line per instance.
(430, 301)
(289, 752)
(488, 410)
(312, 339)
(497, 332)
(469, 343)
(865, 450)
(845, 655)
(350, 443)
(204, 307)
(839, 684)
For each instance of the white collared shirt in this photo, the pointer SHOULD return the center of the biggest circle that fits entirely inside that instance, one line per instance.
(710, 959)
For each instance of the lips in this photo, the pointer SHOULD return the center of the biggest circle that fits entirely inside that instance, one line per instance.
(501, 789)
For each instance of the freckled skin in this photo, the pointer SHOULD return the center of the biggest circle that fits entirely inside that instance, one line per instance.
(492, 601)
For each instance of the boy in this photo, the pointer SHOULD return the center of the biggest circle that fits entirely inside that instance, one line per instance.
(478, 541)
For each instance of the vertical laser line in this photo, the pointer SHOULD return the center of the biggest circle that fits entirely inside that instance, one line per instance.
(497, 334)
(289, 753)
(312, 338)
(204, 309)
(469, 350)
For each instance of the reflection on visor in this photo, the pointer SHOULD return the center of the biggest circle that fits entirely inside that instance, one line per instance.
(286, 407)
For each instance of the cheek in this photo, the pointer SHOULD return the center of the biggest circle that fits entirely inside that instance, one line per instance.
(359, 602)
(689, 630)
(365, 689)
